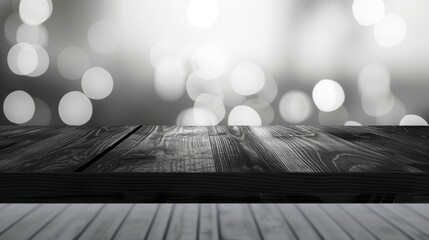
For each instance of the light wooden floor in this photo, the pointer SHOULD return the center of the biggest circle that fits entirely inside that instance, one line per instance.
(214, 221)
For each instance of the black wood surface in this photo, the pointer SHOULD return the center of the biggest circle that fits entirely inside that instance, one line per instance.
(214, 164)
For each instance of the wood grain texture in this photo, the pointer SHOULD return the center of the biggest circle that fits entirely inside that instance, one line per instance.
(224, 221)
(106, 224)
(70, 223)
(214, 164)
(160, 149)
(61, 149)
(33, 222)
(375, 224)
(138, 223)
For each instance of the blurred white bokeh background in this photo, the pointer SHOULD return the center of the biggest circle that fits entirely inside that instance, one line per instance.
(210, 62)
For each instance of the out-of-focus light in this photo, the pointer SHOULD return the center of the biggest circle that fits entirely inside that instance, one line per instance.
(103, 37)
(374, 74)
(263, 108)
(328, 95)
(97, 83)
(212, 104)
(203, 82)
(270, 89)
(247, 78)
(230, 97)
(32, 34)
(42, 115)
(393, 117)
(72, 63)
(169, 79)
(244, 116)
(185, 56)
(196, 117)
(337, 117)
(377, 100)
(19, 107)
(162, 50)
(22, 59)
(203, 13)
(42, 62)
(210, 59)
(368, 12)
(10, 26)
(35, 12)
(75, 108)
(413, 120)
(390, 31)
(295, 107)
(352, 123)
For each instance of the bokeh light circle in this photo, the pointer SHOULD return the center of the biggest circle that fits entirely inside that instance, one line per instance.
(35, 12)
(368, 12)
(263, 108)
(103, 37)
(390, 31)
(97, 83)
(19, 107)
(32, 34)
(413, 120)
(22, 59)
(328, 95)
(75, 108)
(374, 74)
(72, 63)
(247, 78)
(295, 107)
(352, 123)
(377, 100)
(270, 89)
(213, 104)
(244, 116)
(203, 82)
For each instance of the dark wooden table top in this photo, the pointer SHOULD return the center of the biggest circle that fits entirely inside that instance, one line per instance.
(310, 158)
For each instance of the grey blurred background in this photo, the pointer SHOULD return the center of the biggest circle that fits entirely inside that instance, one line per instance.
(208, 62)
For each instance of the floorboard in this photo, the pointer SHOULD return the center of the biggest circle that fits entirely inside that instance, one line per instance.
(214, 221)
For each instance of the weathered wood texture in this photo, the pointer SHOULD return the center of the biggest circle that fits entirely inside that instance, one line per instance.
(59, 149)
(214, 164)
(221, 221)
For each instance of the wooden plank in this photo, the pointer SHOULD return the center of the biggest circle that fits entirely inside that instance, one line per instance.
(184, 222)
(405, 145)
(415, 214)
(14, 213)
(308, 149)
(108, 221)
(271, 222)
(160, 149)
(347, 223)
(328, 228)
(373, 223)
(402, 224)
(33, 222)
(59, 149)
(237, 222)
(208, 228)
(300, 225)
(162, 222)
(70, 223)
(138, 223)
